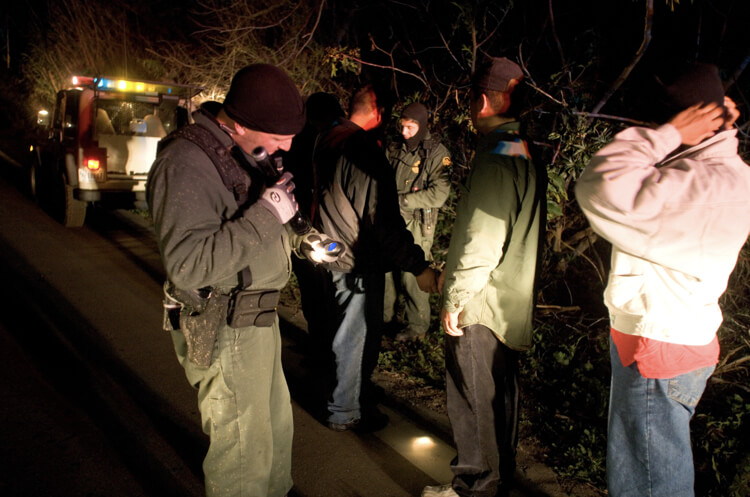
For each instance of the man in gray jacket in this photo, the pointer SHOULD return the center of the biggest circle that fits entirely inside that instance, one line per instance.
(674, 203)
(226, 253)
(356, 202)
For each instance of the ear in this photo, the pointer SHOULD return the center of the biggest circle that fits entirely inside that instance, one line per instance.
(239, 129)
(485, 108)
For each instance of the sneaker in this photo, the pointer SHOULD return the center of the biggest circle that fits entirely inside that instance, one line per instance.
(372, 420)
(349, 425)
(439, 491)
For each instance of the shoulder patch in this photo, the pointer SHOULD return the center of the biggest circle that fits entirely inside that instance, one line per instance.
(447, 161)
(514, 148)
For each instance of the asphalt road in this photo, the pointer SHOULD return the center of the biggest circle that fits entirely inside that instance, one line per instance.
(52, 445)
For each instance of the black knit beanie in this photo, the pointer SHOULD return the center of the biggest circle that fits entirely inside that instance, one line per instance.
(419, 113)
(687, 85)
(263, 97)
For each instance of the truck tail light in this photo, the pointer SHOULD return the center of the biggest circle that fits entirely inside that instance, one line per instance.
(95, 163)
(92, 164)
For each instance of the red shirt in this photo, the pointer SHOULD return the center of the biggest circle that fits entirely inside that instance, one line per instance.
(657, 359)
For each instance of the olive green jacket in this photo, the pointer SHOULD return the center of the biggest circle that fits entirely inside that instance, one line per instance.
(434, 175)
(492, 258)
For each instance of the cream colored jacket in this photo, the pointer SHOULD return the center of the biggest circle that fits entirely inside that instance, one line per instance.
(677, 220)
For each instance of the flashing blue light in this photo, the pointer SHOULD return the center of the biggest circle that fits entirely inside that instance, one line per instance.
(332, 246)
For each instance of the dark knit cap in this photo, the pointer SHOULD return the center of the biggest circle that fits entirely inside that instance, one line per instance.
(263, 97)
(695, 83)
(496, 73)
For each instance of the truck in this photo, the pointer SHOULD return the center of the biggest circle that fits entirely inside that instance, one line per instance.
(98, 144)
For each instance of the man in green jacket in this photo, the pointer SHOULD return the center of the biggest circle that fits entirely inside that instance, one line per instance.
(226, 255)
(422, 167)
(488, 289)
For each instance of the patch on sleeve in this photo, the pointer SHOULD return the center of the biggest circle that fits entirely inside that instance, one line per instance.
(515, 148)
(446, 161)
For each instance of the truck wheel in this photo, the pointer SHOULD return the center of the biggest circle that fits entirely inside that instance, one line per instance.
(55, 197)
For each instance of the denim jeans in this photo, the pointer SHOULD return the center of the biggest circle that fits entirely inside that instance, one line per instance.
(359, 300)
(482, 390)
(648, 443)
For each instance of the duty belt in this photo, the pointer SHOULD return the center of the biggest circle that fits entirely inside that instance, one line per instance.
(252, 308)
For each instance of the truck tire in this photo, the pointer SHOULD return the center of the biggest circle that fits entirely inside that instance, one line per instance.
(55, 197)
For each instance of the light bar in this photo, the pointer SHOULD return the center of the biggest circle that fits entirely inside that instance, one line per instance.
(130, 86)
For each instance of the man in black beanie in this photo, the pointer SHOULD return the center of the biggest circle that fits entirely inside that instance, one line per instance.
(422, 166)
(674, 203)
(226, 253)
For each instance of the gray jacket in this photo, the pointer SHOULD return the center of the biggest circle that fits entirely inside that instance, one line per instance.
(204, 237)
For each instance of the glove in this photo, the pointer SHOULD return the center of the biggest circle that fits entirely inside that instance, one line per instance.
(279, 198)
(317, 247)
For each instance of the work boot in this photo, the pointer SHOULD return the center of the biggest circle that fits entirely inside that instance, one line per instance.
(439, 491)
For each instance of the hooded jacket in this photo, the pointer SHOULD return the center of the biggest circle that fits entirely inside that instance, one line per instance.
(677, 220)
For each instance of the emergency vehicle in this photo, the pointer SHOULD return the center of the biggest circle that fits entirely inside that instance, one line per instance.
(100, 142)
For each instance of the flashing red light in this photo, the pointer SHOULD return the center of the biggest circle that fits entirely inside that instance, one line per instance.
(92, 164)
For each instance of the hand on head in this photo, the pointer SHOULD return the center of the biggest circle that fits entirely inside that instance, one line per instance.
(698, 122)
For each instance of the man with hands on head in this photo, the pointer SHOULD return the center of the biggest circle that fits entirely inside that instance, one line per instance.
(488, 287)
(674, 203)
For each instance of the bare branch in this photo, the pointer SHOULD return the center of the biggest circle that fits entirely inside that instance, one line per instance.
(380, 66)
(648, 23)
(611, 118)
(557, 39)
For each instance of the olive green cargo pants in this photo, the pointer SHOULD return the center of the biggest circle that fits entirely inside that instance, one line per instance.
(246, 411)
(416, 302)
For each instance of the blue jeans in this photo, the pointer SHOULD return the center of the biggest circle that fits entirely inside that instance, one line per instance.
(648, 446)
(348, 348)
